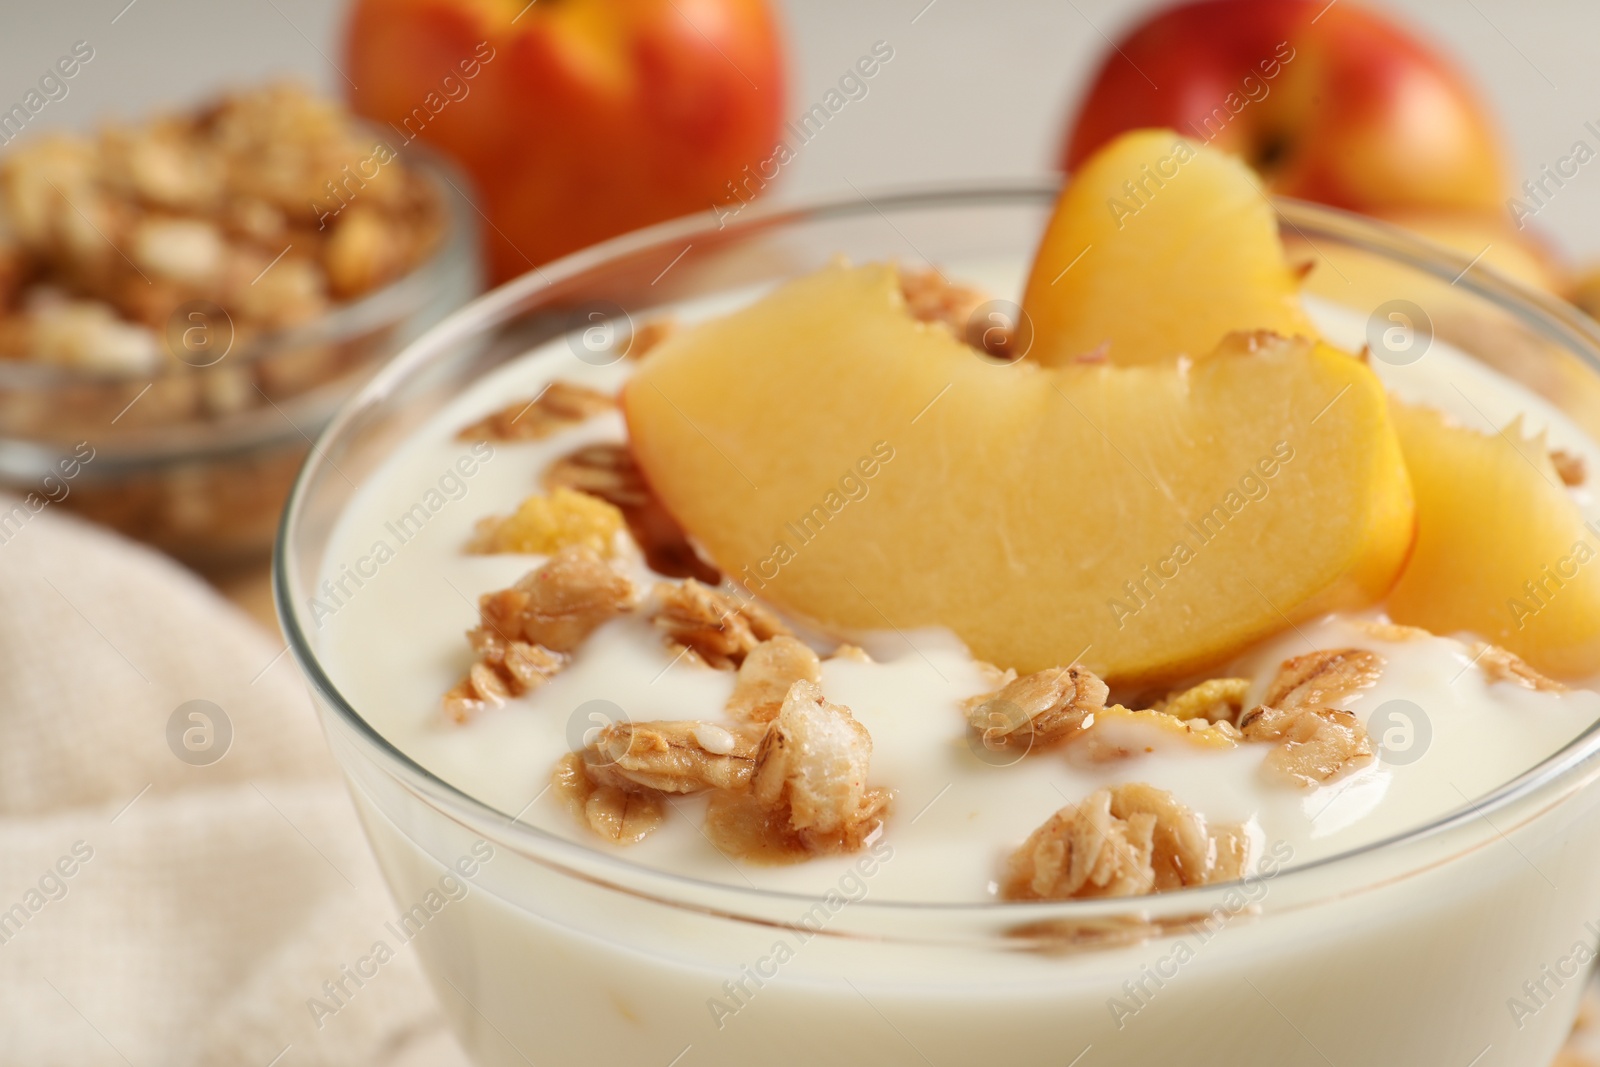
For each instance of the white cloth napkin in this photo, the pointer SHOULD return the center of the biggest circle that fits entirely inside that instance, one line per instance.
(158, 910)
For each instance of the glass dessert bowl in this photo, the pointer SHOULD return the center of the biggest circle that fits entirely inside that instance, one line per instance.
(184, 301)
(1389, 909)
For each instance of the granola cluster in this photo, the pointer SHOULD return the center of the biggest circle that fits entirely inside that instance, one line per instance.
(1501, 665)
(787, 770)
(609, 472)
(813, 764)
(1067, 706)
(1315, 741)
(559, 406)
(505, 668)
(712, 628)
(272, 204)
(619, 816)
(781, 790)
(560, 603)
(1125, 841)
(526, 632)
(672, 757)
(1134, 839)
(767, 674)
(1318, 678)
(1038, 709)
(606, 472)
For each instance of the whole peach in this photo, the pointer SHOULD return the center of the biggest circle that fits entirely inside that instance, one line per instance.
(577, 119)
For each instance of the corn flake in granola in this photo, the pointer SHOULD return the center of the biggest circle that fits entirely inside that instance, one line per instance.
(544, 525)
(1217, 700)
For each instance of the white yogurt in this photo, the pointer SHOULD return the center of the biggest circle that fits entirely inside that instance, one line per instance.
(393, 643)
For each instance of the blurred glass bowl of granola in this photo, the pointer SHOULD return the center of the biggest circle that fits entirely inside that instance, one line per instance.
(185, 301)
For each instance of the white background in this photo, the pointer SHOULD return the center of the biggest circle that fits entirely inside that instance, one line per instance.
(977, 88)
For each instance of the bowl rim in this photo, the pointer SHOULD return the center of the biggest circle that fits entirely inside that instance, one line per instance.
(1557, 321)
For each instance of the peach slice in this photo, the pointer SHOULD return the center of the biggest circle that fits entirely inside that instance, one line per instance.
(871, 472)
(1502, 550)
(1159, 247)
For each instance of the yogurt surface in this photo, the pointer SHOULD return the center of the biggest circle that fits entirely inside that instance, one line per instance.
(399, 592)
